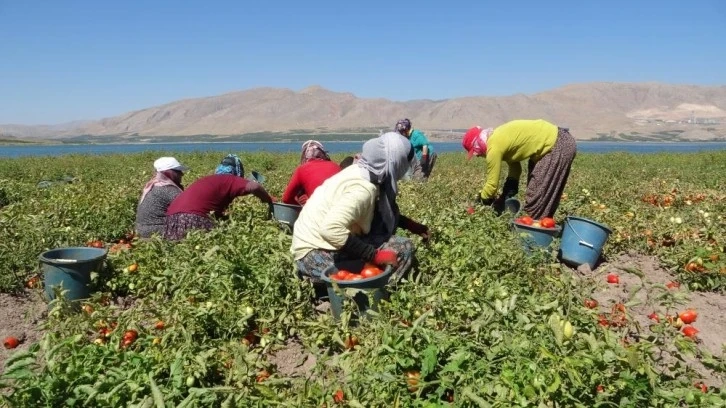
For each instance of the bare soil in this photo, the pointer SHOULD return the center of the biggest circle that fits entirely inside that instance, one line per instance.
(642, 289)
(21, 316)
(293, 361)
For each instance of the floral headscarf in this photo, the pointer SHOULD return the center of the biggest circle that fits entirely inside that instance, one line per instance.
(231, 164)
(312, 149)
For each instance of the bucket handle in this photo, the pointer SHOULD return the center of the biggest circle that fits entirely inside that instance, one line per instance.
(582, 241)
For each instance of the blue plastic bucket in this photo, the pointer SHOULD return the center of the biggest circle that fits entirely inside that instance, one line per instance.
(582, 241)
(70, 269)
(371, 290)
(286, 214)
(513, 206)
(535, 237)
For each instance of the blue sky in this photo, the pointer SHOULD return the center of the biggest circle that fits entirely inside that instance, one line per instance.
(75, 59)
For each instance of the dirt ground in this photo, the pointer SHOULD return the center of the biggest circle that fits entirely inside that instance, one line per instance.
(293, 361)
(21, 316)
(641, 288)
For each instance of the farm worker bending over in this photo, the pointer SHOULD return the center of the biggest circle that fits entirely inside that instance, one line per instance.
(158, 193)
(353, 215)
(315, 167)
(425, 156)
(210, 194)
(549, 149)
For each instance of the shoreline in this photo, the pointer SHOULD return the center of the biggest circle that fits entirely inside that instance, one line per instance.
(432, 140)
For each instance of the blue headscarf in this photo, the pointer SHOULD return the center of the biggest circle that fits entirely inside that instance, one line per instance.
(231, 164)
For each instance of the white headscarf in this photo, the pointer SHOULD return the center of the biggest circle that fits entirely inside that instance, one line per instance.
(385, 160)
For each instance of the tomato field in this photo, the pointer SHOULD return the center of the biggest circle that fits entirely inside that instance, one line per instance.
(220, 319)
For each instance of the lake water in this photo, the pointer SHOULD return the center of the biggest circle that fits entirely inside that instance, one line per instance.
(333, 147)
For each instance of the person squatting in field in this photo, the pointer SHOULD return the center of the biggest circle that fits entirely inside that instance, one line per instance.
(425, 158)
(353, 215)
(157, 195)
(210, 194)
(315, 167)
(549, 149)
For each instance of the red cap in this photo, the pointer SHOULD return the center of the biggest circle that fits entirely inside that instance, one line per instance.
(468, 141)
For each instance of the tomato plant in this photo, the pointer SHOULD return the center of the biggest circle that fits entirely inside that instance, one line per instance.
(204, 321)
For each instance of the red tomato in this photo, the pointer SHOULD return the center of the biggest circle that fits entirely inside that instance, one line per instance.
(11, 342)
(32, 282)
(689, 316)
(159, 325)
(690, 331)
(590, 303)
(355, 277)
(338, 396)
(703, 387)
(547, 222)
(131, 335)
(653, 316)
(526, 220)
(370, 270)
(673, 285)
(470, 210)
(613, 278)
(263, 375)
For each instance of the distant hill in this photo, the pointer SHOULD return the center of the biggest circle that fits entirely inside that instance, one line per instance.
(607, 111)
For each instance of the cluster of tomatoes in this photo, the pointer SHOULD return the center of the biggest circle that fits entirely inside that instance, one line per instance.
(95, 243)
(129, 338)
(545, 222)
(369, 270)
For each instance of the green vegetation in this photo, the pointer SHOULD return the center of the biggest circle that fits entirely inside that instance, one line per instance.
(477, 325)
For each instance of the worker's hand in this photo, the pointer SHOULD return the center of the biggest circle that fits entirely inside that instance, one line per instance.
(487, 202)
(496, 204)
(385, 257)
(302, 199)
(418, 229)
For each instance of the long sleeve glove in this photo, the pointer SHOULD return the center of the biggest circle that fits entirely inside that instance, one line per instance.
(511, 188)
(413, 226)
(356, 248)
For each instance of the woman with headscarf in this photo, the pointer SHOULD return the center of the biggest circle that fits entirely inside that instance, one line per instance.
(425, 155)
(549, 150)
(157, 195)
(353, 215)
(210, 195)
(315, 167)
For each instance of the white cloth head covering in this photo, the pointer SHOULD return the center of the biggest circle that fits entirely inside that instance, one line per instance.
(384, 161)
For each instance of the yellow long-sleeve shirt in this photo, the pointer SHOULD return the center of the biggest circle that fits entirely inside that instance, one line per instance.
(512, 143)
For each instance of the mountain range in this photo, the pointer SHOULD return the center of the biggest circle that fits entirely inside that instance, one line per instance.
(632, 111)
